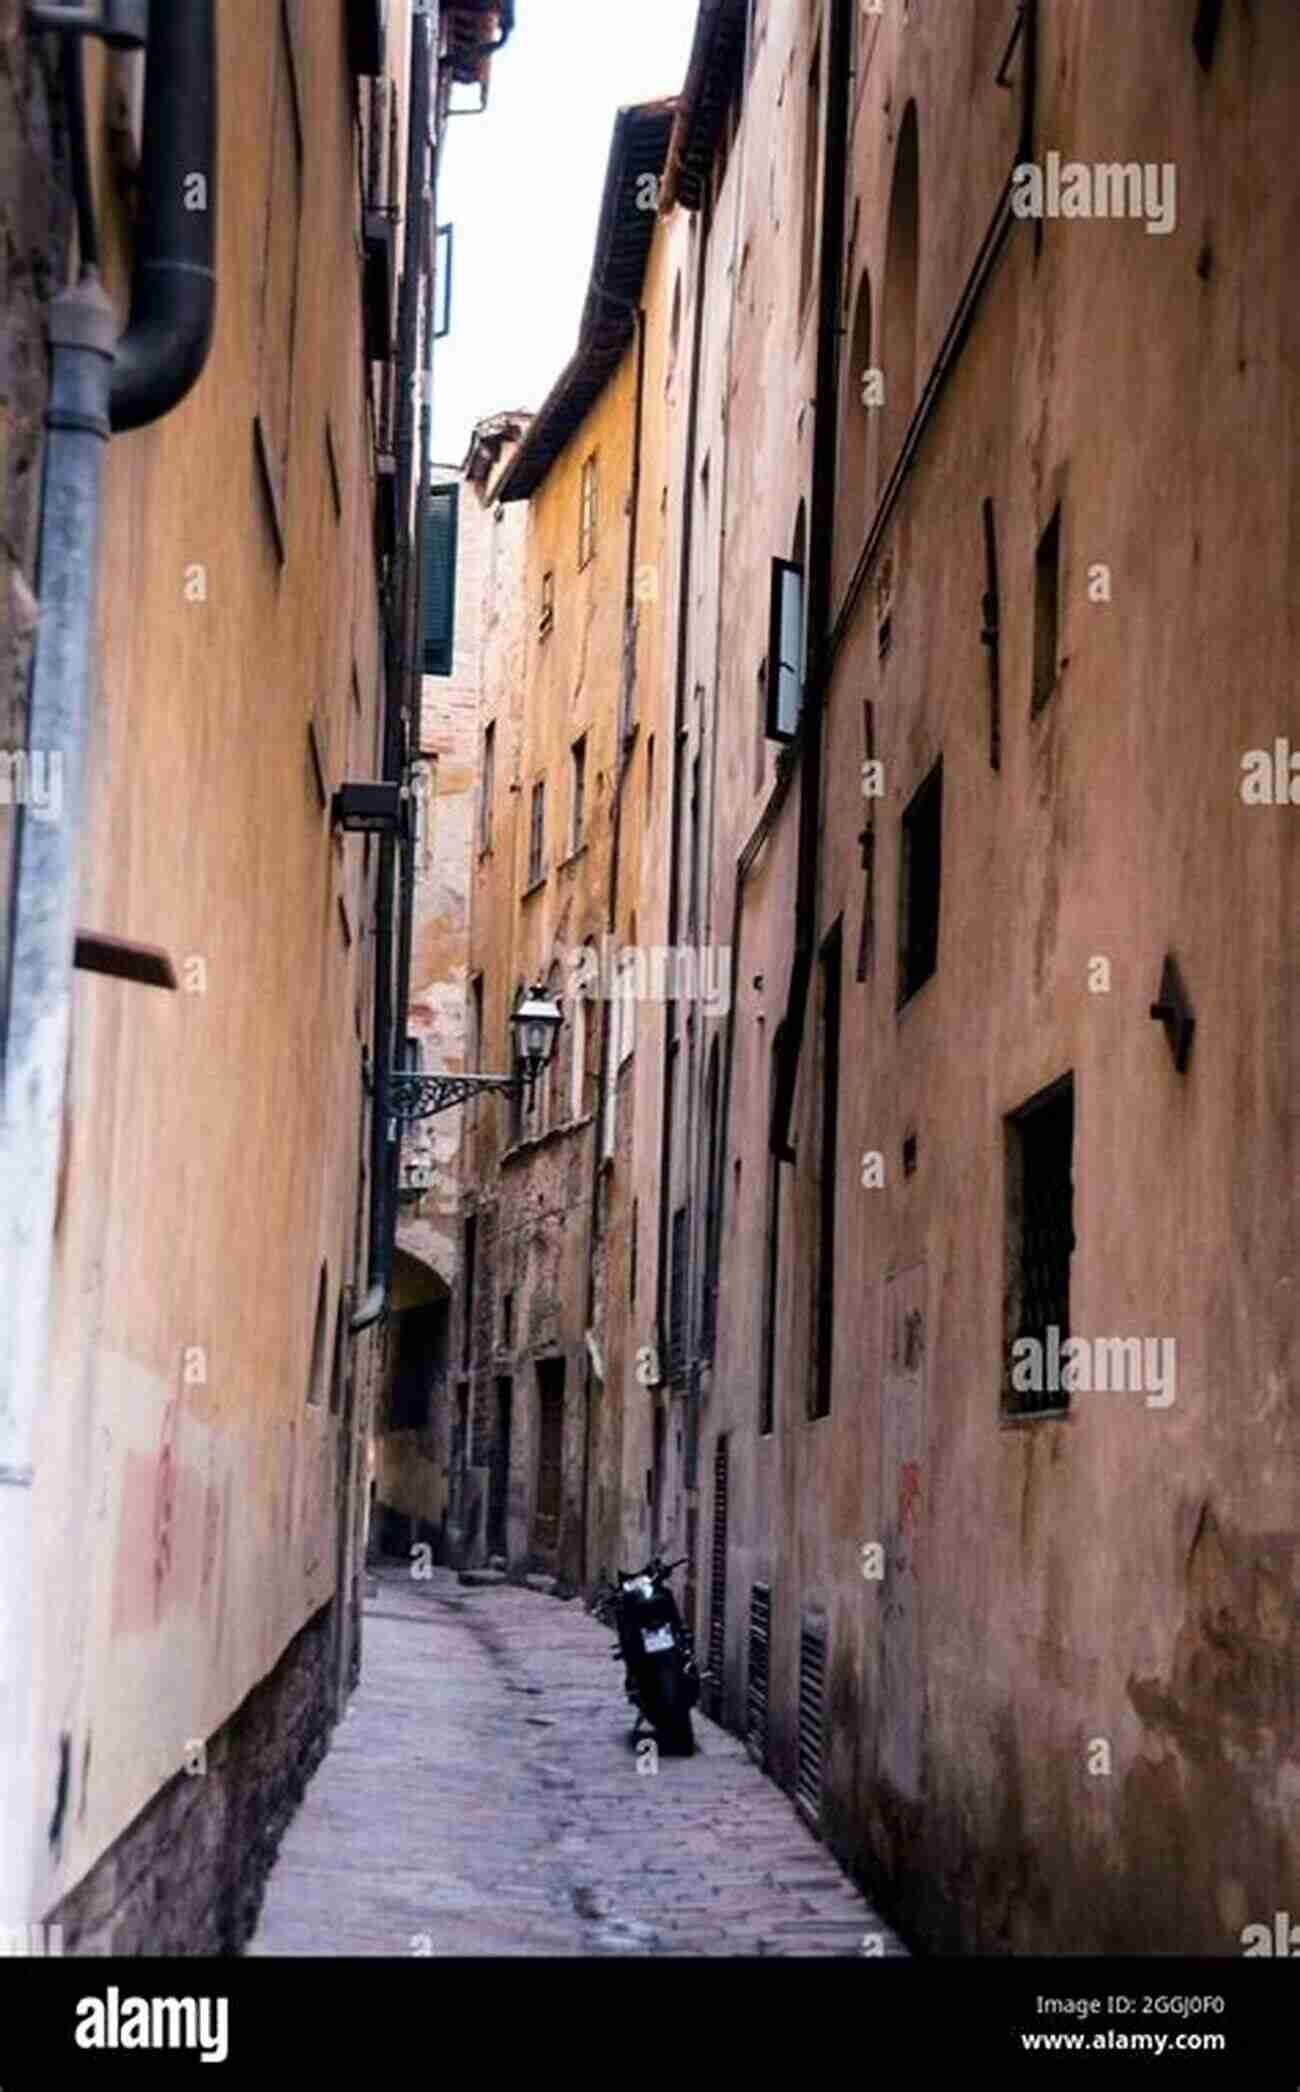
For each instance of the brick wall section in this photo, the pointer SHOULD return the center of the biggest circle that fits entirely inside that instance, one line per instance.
(187, 1876)
(34, 234)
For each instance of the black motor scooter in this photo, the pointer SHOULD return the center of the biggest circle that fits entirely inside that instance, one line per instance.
(655, 1647)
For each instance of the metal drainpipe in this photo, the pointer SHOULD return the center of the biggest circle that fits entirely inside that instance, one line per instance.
(821, 521)
(402, 682)
(684, 572)
(96, 386)
(608, 1074)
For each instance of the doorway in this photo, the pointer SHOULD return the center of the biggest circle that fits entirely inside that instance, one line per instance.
(499, 1474)
(550, 1458)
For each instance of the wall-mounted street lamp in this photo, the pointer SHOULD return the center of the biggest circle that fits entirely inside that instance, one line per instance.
(123, 23)
(369, 809)
(536, 1025)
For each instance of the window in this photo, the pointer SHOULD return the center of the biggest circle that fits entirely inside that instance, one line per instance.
(514, 1097)
(861, 405)
(280, 256)
(693, 889)
(487, 792)
(785, 640)
(649, 777)
(829, 992)
(470, 1258)
(625, 1025)
(476, 1027)
(771, 1265)
(508, 1317)
(899, 310)
(438, 594)
(315, 1386)
(632, 1253)
(421, 1363)
(674, 335)
(536, 833)
(811, 144)
(546, 617)
(552, 1085)
(587, 513)
(760, 738)
(579, 785)
(677, 1288)
(1040, 1243)
(1047, 612)
(709, 1294)
(1205, 34)
(918, 940)
(582, 1021)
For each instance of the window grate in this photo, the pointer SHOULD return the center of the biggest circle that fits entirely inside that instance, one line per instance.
(812, 1708)
(718, 1578)
(759, 1672)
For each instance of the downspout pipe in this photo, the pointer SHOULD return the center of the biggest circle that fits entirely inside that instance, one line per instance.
(395, 897)
(663, 1335)
(609, 1074)
(97, 386)
(820, 543)
(173, 286)
(38, 1016)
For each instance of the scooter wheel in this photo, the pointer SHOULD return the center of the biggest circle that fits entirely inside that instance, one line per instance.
(677, 1738)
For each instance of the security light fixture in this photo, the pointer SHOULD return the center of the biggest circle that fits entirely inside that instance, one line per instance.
(123, 23)
(536, 1024)
(369, 809)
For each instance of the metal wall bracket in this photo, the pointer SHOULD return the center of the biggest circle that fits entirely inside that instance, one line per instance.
(412, 1096)
(1174, 1011)
(122, 23)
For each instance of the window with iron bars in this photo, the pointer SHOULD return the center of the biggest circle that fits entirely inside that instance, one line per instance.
(1040, 1239)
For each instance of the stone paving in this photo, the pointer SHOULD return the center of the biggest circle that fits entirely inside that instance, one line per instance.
(481, 1797)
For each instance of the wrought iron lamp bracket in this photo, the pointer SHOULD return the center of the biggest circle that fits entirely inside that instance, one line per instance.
(412, 1096)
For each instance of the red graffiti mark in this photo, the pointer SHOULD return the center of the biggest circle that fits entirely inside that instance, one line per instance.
(164, 1506)
(909, 1493)
(211, 1535)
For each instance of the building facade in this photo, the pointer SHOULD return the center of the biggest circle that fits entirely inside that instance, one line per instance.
(1021, 1640)
(198, 1159)
(921, 1263)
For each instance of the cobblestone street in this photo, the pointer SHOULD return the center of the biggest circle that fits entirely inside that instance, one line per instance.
(481, 1797)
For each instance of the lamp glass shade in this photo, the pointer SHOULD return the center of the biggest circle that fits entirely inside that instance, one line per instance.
(537, 1023)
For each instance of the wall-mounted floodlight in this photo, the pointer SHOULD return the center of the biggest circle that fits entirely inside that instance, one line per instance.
(369, 809)
(123, 23)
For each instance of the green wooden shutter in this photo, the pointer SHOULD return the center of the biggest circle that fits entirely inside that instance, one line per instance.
(439, 588)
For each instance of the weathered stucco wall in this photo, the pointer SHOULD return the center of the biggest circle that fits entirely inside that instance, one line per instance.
(1077, 1681)
(196, 1470)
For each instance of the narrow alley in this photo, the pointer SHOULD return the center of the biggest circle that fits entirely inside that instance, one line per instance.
(482, 1797)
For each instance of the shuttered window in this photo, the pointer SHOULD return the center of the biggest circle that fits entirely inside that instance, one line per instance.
(718, 1578)
(439, 590)
(758, 1672)
(812, 1720)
